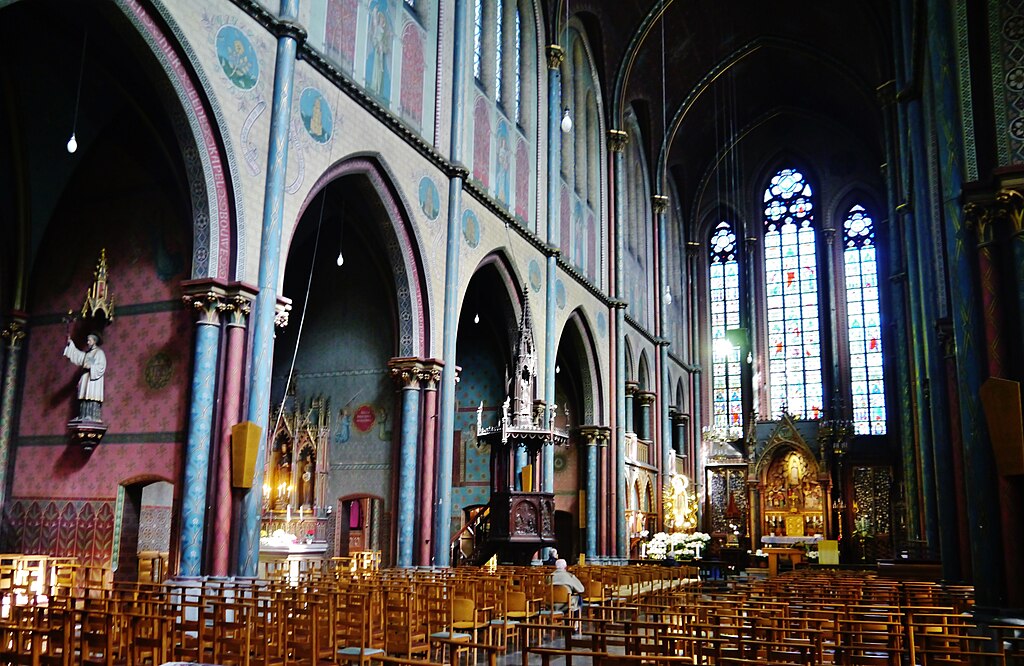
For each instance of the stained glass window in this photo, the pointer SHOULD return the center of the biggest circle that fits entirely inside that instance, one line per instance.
(864, 325)
(791, 284)
(478, 41)
(499, 39)
(727, 392)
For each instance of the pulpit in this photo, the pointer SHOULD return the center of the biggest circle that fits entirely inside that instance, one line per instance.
(522, 515)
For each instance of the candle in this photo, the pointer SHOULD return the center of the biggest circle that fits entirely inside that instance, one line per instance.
(288, 514)
(697, 548)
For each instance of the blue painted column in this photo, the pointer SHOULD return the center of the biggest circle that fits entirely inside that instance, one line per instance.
(591, 437)
(406, 372)
(12, 334)
(290, 34)
(458, 173)
(617, 140)
(899, 289)
(981, 478)
(632, 388)
(200, 430)
(555, 58)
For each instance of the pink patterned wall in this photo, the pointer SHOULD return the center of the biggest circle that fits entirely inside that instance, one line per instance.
(411, 103)
(482, 142)
(62, 498)
(522, 181)
(340, 40)
(65, 528)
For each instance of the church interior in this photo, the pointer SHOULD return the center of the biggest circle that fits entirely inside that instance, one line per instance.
(426, 284)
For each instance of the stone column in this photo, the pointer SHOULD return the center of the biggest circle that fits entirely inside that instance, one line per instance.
(593, 437)
(646, 400)
(207, 300)
(450, 330)
(289, 35)
(430, 375)
(632, 388)
(617, 140)
(236, 309)
(555, 59)
(12, 335)
(406, 372)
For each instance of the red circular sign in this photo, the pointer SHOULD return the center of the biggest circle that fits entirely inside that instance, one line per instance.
(364, 418)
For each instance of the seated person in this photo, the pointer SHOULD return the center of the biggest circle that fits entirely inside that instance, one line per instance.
(551, 558)
(563, 577)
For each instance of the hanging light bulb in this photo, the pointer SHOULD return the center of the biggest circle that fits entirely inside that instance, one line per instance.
(668, 296)
(558, 368)
(341, 259)
(476, 318)
(566, 121)
(72, 143)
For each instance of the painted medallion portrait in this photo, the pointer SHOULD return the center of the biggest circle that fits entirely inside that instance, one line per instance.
(237, 57)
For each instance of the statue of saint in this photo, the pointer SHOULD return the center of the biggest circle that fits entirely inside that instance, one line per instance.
(93, 362)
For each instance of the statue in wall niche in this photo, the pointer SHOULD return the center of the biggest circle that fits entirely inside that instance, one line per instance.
(93, 362)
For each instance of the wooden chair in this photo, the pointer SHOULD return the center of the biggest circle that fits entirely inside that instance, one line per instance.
(404, 630)
(356, 634)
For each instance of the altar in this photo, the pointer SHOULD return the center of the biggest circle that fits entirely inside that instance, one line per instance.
(289, 560)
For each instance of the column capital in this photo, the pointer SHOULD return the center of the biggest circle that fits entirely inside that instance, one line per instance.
(206, 297)
(282, 309)
(632, 387)
(646, 398)
(617, 140)
(692, 247)
(556, 56)
(617, 304)
(1011, 208)
(406, 372)
(659, 202)
(830, 234)
(595, 435)
(980, 217)
(238, 303)
(14, 331)
(430, 373)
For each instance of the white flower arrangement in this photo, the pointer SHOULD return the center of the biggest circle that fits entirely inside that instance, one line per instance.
(677, 545)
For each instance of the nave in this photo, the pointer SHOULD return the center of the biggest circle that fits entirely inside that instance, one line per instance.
(57, 612)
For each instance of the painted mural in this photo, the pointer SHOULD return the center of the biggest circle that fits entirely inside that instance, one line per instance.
(237, 57)
(380, 33)
(413, 68)
(316, 115)
(340, 34)
(503, 165)
(482, 141)
(430, 199)
(522, 181)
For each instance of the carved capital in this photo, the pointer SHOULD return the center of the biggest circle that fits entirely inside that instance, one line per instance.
(692, 247)
(430, 373)
(406, 372)
(556, 56)
(632, 388)
(646, 398)
(595, 435)
(617, 140)
(980, 217)
(238, 303)
(1011, 208)
(14, 333)
(282, 309)
(659, 202)
(207, 304)
(830, 234)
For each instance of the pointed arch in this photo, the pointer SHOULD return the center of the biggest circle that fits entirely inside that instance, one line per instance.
(403, 249)
(578, 335)
(218, 228)
(643, 372)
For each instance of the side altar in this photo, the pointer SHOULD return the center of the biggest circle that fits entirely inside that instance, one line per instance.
(774, 480)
